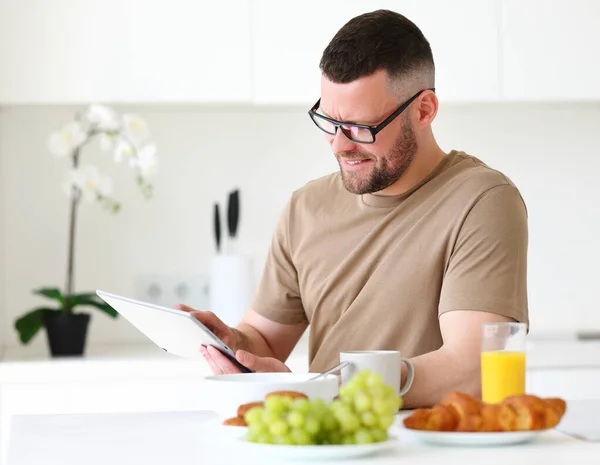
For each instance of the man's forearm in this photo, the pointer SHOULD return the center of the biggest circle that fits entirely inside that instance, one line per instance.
(249, 339)
(440, 372)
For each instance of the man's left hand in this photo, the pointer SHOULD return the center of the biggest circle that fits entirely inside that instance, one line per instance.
(222, 365)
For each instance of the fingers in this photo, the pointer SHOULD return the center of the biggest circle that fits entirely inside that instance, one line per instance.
(260, 364)
(218, 363)
(183, 307)
(211, 321)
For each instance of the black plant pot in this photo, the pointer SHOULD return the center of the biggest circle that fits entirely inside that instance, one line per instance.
(67, 332)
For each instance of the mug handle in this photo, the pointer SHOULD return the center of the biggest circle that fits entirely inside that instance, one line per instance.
(410, 376)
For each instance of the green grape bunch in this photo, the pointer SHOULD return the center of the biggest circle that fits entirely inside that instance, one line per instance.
(362, 414)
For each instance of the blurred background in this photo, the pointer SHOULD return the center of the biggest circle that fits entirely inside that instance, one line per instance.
(224, 88)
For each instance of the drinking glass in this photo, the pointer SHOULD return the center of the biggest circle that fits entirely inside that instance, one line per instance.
(503, 356)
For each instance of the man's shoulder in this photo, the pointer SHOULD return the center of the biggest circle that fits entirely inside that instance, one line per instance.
(474, 175)
(321, 190)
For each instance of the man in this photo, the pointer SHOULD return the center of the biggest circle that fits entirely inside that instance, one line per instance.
(406, 248)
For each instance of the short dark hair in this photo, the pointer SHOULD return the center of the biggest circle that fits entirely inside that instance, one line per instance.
(380, 39)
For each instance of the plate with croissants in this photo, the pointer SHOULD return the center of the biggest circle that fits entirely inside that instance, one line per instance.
(461, 419)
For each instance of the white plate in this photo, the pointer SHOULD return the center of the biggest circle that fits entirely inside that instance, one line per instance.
(314, 452)
(473, 439)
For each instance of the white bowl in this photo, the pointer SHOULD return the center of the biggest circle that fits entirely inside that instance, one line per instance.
(227, 392)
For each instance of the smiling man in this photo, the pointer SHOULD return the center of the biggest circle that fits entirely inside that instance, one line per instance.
(405, 248)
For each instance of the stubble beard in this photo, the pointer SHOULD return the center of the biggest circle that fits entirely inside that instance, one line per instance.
(386, 170)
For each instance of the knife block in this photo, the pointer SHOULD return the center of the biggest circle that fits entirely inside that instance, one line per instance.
(230, 287)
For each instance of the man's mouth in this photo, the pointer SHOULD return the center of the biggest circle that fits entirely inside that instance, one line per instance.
(356, 163)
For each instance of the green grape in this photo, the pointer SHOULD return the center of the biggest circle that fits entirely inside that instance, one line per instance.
(362, 436)
(347, 390)
(378, 435)
(301, 405)
(254, 415)
(385, 421)
(349, 422)
(296, 419)
(252, 435)
(329, 422)
(373, 380)
(283, 440)
(362, 402)
(334, 437)
(335, 405)
(348, 439)
(312, 425)
(301, 437)
(286, 401)
(275, 404)
(380, 406)
(369, 419)
(265, 438)
(388, 391)
(278, 428)
(258, 428)
(269, 417)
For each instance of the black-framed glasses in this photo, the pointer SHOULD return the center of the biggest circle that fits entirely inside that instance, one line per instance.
(361, 133)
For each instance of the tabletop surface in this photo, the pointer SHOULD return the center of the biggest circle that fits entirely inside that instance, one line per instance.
(198, 438)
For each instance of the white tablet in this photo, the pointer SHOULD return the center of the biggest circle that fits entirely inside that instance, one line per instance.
(173, 330)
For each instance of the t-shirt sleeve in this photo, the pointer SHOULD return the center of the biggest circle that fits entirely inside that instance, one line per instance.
(487, 270)
(278, 294)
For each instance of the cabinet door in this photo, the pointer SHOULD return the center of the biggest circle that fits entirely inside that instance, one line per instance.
(550, 49)
(74, 51)
(187, 51)
(569, 384)
(288, 40)
(60, 51)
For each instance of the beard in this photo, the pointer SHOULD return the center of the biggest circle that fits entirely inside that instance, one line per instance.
(386, 169)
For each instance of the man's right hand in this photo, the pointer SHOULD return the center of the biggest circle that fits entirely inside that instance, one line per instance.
(220, 364)
(214, 324)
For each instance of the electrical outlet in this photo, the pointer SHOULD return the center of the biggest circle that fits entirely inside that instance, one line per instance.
(169, 289)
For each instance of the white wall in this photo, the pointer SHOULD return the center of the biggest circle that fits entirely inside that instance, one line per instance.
(550, 151)
(3, 329)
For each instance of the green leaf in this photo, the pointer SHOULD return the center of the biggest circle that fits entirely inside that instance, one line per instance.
(52, 293)
(29, 324)
(92, 300)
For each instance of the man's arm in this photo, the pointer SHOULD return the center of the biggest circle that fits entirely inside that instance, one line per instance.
(265, 338)
(486, 281)
(453, 367)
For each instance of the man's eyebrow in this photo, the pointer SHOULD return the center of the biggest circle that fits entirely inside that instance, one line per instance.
(369, 123)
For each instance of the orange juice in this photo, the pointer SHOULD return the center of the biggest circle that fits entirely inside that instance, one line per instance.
(502, 375)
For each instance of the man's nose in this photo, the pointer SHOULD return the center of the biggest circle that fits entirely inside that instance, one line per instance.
(340, 142)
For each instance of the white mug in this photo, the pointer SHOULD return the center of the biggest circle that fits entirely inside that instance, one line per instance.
(384, 362)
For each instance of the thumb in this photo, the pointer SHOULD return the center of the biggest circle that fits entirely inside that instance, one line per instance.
(260, 364)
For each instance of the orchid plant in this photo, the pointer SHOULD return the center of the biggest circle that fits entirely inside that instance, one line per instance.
(127, 137)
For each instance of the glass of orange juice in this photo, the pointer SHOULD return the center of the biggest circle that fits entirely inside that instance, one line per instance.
(503, 348)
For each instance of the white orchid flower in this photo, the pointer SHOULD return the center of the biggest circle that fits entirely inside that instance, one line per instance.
(147, 160)
(108, 141)
(90, 182)
(63, 142)
(135, 128)
(102, 117)
(123, 150)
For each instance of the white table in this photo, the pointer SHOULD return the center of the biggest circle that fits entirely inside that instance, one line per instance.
(194, 438)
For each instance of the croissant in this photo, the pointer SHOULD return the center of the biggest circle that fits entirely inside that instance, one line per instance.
(461, 412)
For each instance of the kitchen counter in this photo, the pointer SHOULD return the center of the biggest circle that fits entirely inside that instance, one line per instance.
(148, 361)
(197, 438)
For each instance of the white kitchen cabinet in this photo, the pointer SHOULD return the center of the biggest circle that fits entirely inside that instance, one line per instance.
(567, 383)
(550, 50)
(289, 38)
(73, 51)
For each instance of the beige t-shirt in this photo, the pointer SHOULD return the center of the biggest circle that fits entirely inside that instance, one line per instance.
(374, 272)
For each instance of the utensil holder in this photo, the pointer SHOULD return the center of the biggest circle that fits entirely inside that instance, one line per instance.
(230, 287)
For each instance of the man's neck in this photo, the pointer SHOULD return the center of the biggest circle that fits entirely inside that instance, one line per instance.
(424, 162)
